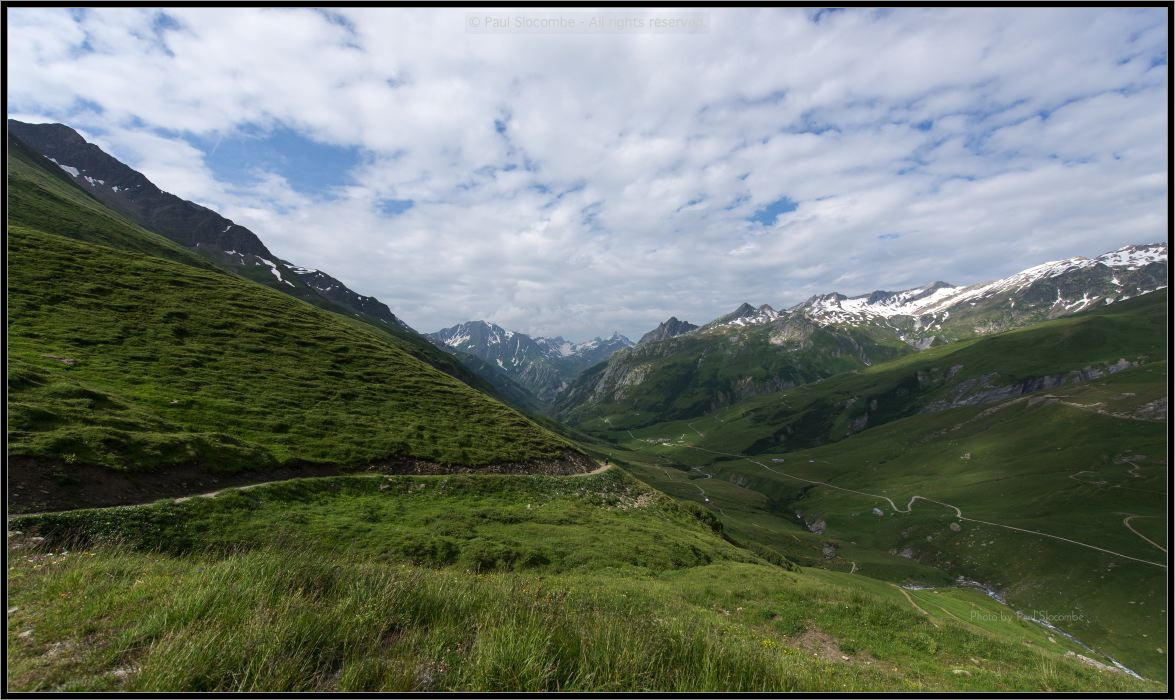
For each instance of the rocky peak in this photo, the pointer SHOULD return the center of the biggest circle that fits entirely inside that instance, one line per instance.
(668, 329)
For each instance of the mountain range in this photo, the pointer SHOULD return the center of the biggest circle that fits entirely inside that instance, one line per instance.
(825, 334)
(755, 350)
(939, 312)
(543, 366)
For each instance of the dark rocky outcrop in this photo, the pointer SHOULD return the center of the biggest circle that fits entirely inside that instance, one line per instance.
(669, 329)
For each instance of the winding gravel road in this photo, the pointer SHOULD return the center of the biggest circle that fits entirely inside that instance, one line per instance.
(958, 511)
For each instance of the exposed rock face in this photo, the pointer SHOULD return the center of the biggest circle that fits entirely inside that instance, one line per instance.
(669, 329)
(744, 316)
(978, 390)
(796, 335)
(335, 291)
(858, 424)
(1092, 662)
(1155, 410)
(829, 550)
(130, 193)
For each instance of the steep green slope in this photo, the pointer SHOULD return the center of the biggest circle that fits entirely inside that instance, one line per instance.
(693, 374)
(509, 390)
(42, 197)
(481, 582)
(136, 363)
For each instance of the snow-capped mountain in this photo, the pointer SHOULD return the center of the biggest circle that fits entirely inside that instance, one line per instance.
(745, 315)
(542, 365)
(1048, 290)
(758, 350)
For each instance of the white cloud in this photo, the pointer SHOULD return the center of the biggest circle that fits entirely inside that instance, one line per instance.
(958, 144)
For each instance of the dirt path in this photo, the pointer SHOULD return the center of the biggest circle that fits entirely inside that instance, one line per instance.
(915, 604)
(602, 468)
(598, 470)
(245, 487)
(948, 612)
(958, 511)
(1126, 522)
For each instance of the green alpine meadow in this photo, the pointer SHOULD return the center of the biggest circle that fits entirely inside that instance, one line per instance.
(426, 350)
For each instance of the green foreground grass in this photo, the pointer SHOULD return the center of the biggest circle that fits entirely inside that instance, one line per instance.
(615, 587)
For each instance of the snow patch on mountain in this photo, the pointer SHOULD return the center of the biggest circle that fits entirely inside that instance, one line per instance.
(940, 297)
(745, 316)
(458, 340)
(273, 268)
(67, 168)
(483, 335)
(1134, 257)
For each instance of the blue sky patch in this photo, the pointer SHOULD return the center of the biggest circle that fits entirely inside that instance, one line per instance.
(394, 207)
(309, 166)
(770, 213)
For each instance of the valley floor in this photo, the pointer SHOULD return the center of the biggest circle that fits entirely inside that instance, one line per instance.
(1070, 530)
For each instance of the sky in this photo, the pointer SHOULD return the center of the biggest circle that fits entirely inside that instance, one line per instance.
(577, 182)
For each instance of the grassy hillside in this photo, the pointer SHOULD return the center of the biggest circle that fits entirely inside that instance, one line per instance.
(1084, 461)
(480, 582)
(504, 387)
(42, 197)
(693, 374)
(135, 363)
